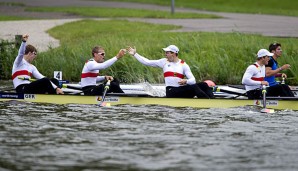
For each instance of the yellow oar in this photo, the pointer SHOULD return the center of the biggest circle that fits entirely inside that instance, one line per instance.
(217, 89)
(265, 110)
(107, 87)
(28, 79)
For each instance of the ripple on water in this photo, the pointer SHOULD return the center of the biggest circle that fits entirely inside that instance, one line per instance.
(72, 137)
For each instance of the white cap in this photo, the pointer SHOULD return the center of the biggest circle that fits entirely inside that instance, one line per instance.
(171, 48)
(264, 52)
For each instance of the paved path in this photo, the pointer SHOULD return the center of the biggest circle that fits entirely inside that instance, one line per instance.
(267, 25)
(36, 30)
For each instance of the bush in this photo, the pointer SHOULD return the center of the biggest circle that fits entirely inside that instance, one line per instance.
(8, 51)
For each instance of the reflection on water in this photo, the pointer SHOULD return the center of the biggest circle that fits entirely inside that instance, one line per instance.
(85, 137)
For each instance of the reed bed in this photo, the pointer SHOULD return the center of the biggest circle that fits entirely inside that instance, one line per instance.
(222, 57)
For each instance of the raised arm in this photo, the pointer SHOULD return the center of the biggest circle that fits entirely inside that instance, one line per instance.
(22, 49)
(100, 66)
(145, 61)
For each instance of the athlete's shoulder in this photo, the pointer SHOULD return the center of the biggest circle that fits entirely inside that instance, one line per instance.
(253, 67)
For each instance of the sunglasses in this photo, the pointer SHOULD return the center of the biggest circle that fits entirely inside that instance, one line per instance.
(102, 54)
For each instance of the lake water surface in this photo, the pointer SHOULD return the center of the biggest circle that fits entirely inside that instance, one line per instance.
(86, 137)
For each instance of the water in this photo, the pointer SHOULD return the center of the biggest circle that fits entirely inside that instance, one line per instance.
(86, 137)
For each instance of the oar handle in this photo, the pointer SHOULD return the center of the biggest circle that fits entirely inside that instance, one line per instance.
(283, 80)
(107, 86)
(25, 78)
(264, 89)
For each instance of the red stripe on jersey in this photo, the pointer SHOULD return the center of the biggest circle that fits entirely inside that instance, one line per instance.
(89, 74)
(173, 74)
(21, 72)
(257, 79)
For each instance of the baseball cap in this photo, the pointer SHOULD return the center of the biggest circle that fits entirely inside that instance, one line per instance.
(264, 52)
(171, 48)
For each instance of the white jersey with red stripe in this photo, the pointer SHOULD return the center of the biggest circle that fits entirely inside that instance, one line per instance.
(91, 70)
(253, 76)
(22, 68)
(173, 71)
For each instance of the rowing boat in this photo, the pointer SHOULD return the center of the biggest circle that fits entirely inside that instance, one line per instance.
(144, 99)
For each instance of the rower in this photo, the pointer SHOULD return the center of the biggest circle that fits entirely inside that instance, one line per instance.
(90, 73)
(22, 67)
(253, 78)
(273, 71)
(179, 79)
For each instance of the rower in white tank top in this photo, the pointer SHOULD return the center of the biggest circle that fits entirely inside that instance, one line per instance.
(22, 67)
(90, 72)
(179, 80)
(173, 71)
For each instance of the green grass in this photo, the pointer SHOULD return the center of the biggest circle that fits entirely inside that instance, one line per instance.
(222, 57)
(276, 7)
(11, 4)
(118, 12)
(12, 18)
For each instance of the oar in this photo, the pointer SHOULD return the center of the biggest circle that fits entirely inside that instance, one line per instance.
(107, 87)
(265, 110)
(28, 79)
(71, 87)
(217, 89)
(283, 80)
(63, 85)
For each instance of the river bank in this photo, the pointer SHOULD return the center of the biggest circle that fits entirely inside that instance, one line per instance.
(268, 25)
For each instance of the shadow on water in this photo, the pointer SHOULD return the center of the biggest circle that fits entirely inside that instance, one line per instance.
(85, 137)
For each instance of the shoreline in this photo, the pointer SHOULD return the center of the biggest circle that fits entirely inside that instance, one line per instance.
(266, 25)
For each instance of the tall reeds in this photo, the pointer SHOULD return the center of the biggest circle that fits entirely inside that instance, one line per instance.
(222, 57)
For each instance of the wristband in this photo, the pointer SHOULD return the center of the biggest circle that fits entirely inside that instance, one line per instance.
(280, 69)
(278, 75)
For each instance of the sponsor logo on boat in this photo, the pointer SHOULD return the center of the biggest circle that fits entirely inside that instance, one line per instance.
(268, 102)
(10, 96)
(257, 102)
(272, 103)
(29, 96)
(108, 99)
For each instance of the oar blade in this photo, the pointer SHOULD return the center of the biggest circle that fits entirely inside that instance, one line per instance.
(265, 110)
(106, 88)
(104, 104)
